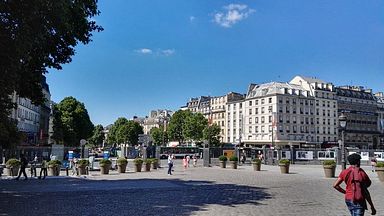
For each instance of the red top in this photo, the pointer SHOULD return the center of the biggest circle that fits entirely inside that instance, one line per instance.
(348, 190)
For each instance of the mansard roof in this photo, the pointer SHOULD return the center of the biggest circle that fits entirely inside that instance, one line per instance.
(274, 88)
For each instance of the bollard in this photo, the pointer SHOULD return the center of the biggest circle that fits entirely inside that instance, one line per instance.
(66, 171)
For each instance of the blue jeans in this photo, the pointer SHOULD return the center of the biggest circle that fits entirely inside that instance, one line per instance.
(356, 209)
(170, 165)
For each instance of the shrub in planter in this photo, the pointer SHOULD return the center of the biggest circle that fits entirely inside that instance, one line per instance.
(54, 167)
(12, 166)
(329, 168)
(138, 162)
(81, 166)
(233, 162)
(121, 164)
(256, 163)
(147, 164)
(284, 166)
(233, 158)
(380, 170)
(155, 163)
(223, 161)
(105, 166)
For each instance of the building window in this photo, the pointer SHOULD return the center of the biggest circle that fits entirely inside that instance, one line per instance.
(250, 120)
(262, 109)
(262, 101)
(262, 119)
(250, 111)
(257, 110)
(270, 118)
(250, 103)
(270, 100)
(257, 120)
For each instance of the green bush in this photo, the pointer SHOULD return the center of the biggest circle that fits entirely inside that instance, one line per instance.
(83, 162)
(223, 158)
(147, 161)
(104, 162)
(121, 161)
(13, 162)
(380, 164)
(284, 162)
(329, 163)
(54, 163)
(155, 160)
(138, 161)
(233, 158)
(256, 161)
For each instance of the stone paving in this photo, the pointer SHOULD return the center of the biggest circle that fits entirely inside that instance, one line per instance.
(195, 191)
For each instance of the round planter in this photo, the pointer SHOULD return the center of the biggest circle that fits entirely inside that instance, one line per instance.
(53, 170)
(223, 164)
(284, 168)
(121, 168)
(256, 166)
(104, 169)
(155, 165)
(138, 167)
(14, 171)
(233, 164)
(147, 167)
(329, 171)
(82, 170)
(380, 173)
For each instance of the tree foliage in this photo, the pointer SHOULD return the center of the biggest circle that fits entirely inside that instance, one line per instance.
(194, 126)
(176, 125)
(97, 136)
(211, 134)
(72, 122)
(159, 135)
(36, 35)
(124, 131)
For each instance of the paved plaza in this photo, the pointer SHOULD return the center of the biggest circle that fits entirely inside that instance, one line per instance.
(195, 191)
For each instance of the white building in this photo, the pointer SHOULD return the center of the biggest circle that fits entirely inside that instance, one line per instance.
(380, 116)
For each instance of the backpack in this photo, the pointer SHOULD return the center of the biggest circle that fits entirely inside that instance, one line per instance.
(356, 184)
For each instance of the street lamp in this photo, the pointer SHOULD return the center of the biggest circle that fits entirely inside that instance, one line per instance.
(343, 125)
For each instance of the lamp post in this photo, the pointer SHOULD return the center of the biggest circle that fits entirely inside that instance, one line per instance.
(343, 125)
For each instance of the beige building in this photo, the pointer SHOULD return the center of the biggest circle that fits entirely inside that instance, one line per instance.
(380, 117)
(156, 119)
(326, 116)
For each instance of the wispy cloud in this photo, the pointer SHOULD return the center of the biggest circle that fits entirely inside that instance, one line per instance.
(232, 14)
(168, 52)
(192, 18)
(144, 51)
(160, 52)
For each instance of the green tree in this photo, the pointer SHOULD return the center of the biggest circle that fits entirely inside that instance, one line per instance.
(36, 35)
(159, 136)
(124, 131)
(176, 125)
(211, 133)
(97, 136)
(73, 121)
(194, 126)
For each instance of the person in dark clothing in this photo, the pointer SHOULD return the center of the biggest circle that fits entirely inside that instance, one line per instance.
(24, 164)
(43, 170)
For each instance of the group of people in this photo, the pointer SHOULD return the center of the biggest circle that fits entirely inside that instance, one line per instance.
(24, 165)
(186, 161)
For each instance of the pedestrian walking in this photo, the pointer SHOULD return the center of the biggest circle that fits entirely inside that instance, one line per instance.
(33, 166)
(43, 170)
(373, 163)
(188, 159)
(24, 164)
(194, 161)
(356, 191)
(170, 164)
(185, 162)
(74, 166)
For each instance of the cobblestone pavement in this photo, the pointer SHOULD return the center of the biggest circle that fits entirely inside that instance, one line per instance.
(195, 191)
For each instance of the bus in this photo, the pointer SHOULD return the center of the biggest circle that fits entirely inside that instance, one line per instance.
(179, 152)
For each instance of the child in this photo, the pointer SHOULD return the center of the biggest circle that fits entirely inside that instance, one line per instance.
(185, 162)
(194, 160)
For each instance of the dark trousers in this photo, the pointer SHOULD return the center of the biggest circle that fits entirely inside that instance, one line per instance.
(170, 168)
(22, 171)
(44, 171)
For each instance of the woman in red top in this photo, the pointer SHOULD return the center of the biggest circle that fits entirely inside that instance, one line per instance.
(355, 173)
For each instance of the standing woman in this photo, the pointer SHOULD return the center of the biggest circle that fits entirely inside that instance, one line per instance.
(170, 164)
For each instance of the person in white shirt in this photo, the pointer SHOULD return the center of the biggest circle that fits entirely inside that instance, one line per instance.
(170, 164)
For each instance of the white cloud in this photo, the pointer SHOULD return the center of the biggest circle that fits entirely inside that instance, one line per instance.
(192, 18)
(232, 14)
(168, 52)
(144, 51)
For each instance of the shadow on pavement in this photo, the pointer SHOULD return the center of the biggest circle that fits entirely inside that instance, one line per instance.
(125, 197)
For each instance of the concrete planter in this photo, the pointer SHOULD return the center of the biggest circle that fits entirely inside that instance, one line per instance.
(256, 166)
(284, 168)
(155, 165)
(121, 168)
(14, 171)
(104, 169)
(329, 171)
(147, 167)
(380, 173)
(54, 170)
(82, 170)
(223, 164)
(233, 164)
(138, 167)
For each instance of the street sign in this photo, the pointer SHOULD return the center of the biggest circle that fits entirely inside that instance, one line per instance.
(83, 142)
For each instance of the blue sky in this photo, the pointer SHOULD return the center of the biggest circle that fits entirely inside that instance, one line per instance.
(156, 54)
